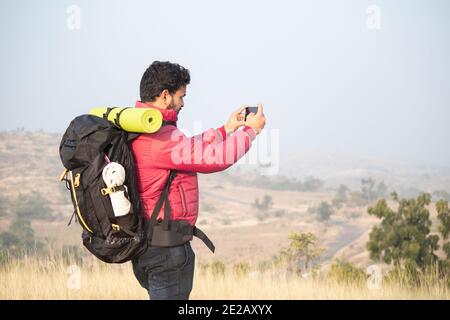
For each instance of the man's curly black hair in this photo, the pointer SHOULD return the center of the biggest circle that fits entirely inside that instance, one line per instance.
(160, 76)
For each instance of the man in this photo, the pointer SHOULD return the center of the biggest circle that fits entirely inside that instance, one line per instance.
(167, 272)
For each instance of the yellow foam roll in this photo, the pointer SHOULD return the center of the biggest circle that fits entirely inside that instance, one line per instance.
(141, 120)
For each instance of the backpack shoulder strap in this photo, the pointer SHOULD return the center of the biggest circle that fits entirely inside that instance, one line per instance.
(164, 198)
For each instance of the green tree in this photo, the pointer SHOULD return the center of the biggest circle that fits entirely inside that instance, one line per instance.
(371, 191)
(312, 184)
(341, 196)
(20, 237)
(442, 195)
(265, 205)
(303, 250)
(324, 211)
(31, 206)
(444, 227)
(368, 189)
(342, 192)
(403, 236)
(23, 230)
(382, 190)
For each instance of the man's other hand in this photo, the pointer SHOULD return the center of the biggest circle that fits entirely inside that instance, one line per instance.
(235, 121)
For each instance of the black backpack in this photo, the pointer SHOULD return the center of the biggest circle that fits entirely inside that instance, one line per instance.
(85, 149)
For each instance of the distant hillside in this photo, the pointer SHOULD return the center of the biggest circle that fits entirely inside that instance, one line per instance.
(230, 201)
(30, 161)
(337, 168)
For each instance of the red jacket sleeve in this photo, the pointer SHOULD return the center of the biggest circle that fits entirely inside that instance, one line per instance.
(204, 153)
(212, 136)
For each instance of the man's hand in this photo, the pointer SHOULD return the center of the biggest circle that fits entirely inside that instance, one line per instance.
(235, 121)
(256, 121)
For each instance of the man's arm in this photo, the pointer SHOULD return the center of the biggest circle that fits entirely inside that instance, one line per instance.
(178, 152)
(212, 135)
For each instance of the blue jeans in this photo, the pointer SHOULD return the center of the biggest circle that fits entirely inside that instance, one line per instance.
(167, 273)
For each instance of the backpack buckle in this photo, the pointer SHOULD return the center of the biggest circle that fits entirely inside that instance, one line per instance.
(76, 182)
(106, 191)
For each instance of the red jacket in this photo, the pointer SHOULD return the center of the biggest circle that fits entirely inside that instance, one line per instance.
(155, 154)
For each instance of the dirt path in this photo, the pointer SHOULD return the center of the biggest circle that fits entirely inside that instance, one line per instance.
(349, 234)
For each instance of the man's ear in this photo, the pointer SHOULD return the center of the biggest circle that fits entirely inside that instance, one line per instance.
(163, 95)
(166, 96)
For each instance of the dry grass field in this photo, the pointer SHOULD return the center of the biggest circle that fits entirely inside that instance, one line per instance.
(55, 278)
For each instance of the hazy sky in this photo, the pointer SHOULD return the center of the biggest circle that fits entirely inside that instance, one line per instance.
(329, 80)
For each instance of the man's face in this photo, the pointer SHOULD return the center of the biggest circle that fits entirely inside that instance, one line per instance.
(177, 102)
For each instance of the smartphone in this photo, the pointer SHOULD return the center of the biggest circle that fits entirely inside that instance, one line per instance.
(249, 110)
